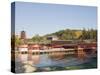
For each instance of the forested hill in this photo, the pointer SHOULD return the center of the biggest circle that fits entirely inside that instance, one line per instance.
(70, 34)
(67, 34)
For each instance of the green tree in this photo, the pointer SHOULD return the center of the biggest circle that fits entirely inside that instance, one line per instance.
(17, 41)
(36, 38)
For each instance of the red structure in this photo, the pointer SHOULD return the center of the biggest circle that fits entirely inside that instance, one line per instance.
(33, 47)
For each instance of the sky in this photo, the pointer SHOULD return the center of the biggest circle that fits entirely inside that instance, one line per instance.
(40, 18)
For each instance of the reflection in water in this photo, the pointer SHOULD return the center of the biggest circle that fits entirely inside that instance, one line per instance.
(44, 62)
(22, 57)
(28, 57)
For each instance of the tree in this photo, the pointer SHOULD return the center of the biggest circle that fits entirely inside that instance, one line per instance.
(36, 38)
(17, 41)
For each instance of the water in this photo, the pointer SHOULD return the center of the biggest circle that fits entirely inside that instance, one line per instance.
(46, 63)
